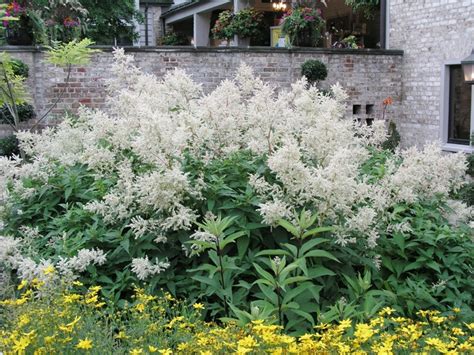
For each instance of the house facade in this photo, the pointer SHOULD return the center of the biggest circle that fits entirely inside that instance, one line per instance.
(434, 35)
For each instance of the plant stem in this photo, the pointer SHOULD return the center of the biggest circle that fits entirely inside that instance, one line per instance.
(279, 301)
(60, 96)
(221, 271)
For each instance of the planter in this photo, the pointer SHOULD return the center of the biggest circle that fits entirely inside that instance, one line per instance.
(19, 37)
(243, 42)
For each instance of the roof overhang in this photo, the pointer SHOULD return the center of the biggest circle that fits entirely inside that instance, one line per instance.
(188, 9)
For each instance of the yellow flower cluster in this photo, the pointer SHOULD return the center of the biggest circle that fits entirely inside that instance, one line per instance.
(75, 322)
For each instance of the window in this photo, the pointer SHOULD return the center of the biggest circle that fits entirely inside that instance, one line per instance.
(460, 113)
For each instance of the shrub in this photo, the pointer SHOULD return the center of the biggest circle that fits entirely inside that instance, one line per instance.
(26, 112)
(20, 68)
(303, 25)
(222, 28)
(253, 202)
(393, 139)
(314, 70)
(174, 39)
(78, 320)
(9, 146)
(247, 23)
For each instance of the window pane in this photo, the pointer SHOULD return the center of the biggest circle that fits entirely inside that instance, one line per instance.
(459, 107)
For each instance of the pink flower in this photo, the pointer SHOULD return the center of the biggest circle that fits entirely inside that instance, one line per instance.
(70, 22)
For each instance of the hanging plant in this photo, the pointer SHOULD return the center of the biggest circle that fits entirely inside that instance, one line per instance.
(303, 26)
(247, 23)
(366, 7)
(222, 28)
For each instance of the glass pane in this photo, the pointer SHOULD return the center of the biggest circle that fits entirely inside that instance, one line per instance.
(459, 107)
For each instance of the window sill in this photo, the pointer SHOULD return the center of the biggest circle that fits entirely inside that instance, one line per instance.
(450, 147)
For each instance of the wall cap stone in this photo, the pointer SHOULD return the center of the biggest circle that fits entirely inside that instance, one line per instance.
(190, 49)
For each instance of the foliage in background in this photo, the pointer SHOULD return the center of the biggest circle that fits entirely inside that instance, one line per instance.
(20, 68)
(105, 21)
(78, 320)
(222, 28)
(393, 139)
(247, 23)
(467, 192)
(13, 93)
(9, 146)
(314, 70)
(174, 39)
(303, 26)
(261, 205)
(366, 7)
(111, 21)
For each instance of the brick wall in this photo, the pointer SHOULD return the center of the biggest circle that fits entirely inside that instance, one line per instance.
(431, 33)
(369, 76)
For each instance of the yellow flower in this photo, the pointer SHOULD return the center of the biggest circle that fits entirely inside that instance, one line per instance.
(121, 335)
(386, 311)
(363, 332)
(456, 310)
(23, 320)
(152, 349)
(458, 331)
(84, 344)
(198, 306)
(165, 351)
(95, 289)
(136, 351)
(49, 340)
(49, 270)
(22, 284)
(140, 307)
(470, 326)
(344, 324)
(438, 320)
(21, 345)
(69, 327)
(71, 298)
(182, 346)
(247, 342)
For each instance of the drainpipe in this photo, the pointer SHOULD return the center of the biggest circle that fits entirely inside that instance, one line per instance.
(383, 24)
(137, 25)
(146, 23)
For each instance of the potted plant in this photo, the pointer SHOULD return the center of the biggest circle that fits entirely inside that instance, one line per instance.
(222, 29)
(18, 29)
(303, 26)
(247, 24)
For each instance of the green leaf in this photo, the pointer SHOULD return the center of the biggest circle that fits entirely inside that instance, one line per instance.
(318, 253)
(311, 244)
(265, 274)
(317, 230)
(289, 227)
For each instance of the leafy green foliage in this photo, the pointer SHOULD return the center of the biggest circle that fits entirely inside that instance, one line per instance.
(20, 68)
(9, 146)
(25, 112)
(393, 139)
(174, 39)
(314, 70)
(72, 53)
(366, 7)
(303, 25)
(111, 21)
(293, 274)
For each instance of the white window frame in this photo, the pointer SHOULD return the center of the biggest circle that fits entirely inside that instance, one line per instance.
(444, 111)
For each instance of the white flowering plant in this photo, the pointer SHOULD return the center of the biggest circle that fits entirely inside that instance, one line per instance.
(120, 196)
